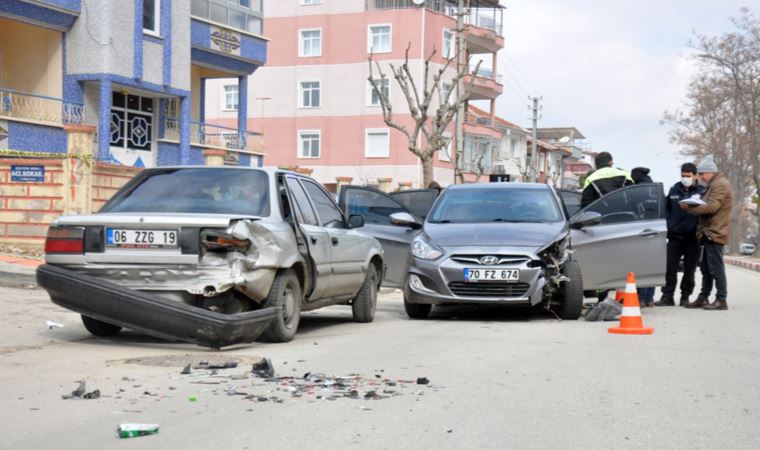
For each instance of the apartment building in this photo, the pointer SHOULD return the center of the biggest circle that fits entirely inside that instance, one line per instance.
(135, 69)
(315, 105)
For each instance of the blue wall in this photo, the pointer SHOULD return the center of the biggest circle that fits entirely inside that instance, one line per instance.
(36, 138)
(253, 51)
(52, 18)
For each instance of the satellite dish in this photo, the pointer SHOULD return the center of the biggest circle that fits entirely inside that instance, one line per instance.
(564, 139)
(418, 2)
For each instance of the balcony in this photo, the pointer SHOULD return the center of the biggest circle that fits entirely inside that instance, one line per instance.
(54, 14)
(241, 15)
(207, 135)
(39, 109)
(483, 87)
(477, 125)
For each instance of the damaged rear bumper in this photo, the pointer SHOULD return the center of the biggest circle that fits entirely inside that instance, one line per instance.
(150, 314)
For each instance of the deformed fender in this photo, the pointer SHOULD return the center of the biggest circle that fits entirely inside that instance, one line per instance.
(150, 314)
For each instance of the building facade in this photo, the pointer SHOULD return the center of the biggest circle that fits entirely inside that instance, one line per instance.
(314, 102)
(135, 69)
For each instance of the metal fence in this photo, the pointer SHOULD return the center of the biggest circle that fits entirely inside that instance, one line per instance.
(39, 108)
(215, 136)
(489, 18)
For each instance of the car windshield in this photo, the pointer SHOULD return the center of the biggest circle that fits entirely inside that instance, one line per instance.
(201, 190)
(496, 205)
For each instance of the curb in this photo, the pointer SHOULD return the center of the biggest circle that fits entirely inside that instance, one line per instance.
(25, 262)
(739, 262)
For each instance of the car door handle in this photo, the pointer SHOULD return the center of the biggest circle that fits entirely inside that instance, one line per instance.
(313, 240)
(334, 240)
(649, 234)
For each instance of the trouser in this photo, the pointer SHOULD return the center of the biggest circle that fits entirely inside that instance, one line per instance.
(689, 249)
(646, 294)
(713, 270)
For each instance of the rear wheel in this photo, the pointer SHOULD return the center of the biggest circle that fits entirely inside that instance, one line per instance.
(365, 303)
(286, 294)
(416, 310)
(98, 328)
(571, 292)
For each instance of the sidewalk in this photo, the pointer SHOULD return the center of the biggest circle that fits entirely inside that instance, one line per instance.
(746, 262)
(18, 272)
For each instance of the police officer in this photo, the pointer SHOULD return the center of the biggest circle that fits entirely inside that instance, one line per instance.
(682, 238)
(603, 180)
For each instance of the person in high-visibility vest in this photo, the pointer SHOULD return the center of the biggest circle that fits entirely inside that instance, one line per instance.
(604, 179)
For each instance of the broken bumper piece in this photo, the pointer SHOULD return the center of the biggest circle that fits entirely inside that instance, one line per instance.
(150, 314)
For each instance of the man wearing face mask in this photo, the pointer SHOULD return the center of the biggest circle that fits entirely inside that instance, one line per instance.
(712, 231)
(682, 238)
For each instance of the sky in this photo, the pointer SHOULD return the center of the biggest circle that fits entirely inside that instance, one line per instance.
(609, 68)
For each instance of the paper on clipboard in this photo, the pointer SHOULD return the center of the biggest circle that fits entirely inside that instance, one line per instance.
(694, 200)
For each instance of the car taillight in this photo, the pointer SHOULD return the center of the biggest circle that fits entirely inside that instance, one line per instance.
(65, 240)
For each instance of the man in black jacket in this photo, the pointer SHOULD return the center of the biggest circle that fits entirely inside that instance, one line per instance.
(682, 238)
(603, 180)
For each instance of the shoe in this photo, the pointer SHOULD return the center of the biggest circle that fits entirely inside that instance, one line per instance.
(698, 303)
(684, 300)
(717, 305)
(665, 300)
(649, 304)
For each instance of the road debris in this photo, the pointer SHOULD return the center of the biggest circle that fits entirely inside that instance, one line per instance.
(130, 430)
(50, 324)
(263, 368)
(423, 380)
(81, 392)
(186, 370)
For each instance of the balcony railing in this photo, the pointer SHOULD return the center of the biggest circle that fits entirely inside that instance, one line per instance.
(39, 108)
(487, 73)
(474, 119)
(245, 15)
(489, 18)
(216, 136)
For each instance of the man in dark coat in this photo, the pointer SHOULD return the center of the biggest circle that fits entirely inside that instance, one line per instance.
(682, 238)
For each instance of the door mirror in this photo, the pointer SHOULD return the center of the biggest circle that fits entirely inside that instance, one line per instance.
(355, 221)
(586, 219)
(405, 220)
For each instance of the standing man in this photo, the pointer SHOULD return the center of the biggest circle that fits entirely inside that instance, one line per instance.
(712, 231)
(603, 180)
(682, 238)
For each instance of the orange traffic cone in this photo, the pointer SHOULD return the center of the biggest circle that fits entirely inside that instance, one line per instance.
(619, 295)
(630, 319)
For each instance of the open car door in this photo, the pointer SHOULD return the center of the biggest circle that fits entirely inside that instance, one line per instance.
(630, 238)
(376, 207)
(418, 201)
(571, 199)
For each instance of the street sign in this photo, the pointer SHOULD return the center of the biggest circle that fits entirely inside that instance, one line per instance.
(28, 173)
(499, 178)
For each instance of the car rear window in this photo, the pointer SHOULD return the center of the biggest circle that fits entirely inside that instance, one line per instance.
(202, 190)
(496, 205)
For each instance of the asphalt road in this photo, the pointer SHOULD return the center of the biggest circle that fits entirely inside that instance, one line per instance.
(498, 379)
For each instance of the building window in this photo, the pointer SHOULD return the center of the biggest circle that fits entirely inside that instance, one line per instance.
(513, 147)
(309, 143)
(131, 121)
(377, 143)
(311, 43)
(151, 15)
(379, 39)
(384, 86)
(244, 15)
(448, 44)
(445, 92)
(310, 91)
(311, 2)
(230, 100)
(444, 154)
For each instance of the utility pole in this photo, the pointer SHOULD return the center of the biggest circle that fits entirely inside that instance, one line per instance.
(533, 158)
(459, 151)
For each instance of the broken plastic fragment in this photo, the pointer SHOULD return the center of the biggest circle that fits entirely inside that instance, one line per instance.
(422, 380)
(263, 368)
(50, 324)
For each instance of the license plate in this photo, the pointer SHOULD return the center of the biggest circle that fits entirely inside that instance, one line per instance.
(141, 238)
(505, 275)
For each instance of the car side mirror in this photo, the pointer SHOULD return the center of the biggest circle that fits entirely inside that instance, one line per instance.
(586, 219)
(355, 221)
(403, 219)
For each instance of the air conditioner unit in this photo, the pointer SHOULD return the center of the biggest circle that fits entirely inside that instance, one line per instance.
(499, 169)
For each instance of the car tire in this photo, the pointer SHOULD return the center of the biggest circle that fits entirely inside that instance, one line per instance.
(98, 328)
(417, 310)
(286, 294)
(571, 292)
(364, 304)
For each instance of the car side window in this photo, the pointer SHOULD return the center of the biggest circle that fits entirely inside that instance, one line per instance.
(571, 200)
(375, 207)
(629, 205)
(302, 202)
(329, 214)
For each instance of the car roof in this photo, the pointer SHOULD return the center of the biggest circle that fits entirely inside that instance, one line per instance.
(507, 185)
(269, 170)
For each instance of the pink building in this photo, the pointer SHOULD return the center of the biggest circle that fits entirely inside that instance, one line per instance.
(314, 104)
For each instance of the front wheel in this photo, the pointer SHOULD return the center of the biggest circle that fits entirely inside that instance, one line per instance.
(365, 303)
(571, 292)
(417, 310)
(287, 295)
(98, 328)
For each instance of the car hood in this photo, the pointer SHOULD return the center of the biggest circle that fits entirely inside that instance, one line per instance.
(493, 234)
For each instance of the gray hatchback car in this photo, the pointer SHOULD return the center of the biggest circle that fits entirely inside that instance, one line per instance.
(514, 243)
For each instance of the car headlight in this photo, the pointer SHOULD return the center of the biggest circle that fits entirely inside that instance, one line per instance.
(423, 250)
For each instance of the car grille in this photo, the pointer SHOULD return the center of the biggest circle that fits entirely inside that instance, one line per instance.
(489, 289)
(503, 259)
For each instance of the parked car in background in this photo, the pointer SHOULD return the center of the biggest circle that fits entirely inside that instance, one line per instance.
(515, 243)
(747, 249)
(214, 256)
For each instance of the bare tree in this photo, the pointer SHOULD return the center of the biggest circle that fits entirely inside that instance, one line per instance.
(722, 112)
(419, 95)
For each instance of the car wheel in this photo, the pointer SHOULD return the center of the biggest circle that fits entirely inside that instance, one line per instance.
(365, 303)
(98, 328)
(571, 292)
(287, 295)
(417, 310)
